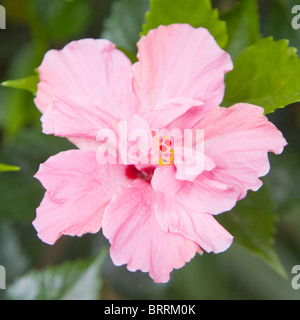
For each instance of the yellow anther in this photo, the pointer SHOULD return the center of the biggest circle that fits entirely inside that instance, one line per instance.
(161, 162)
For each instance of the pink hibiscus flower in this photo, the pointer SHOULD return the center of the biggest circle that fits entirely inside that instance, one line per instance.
(155, 216)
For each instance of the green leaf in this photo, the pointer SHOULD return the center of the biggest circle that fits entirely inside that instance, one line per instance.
(20, 193)
(28, 84)
(265, 74)
(72, 280)
(6, 167)
(197, 13)
(124, 24)
(242, 26)
(17, 106)
(252, 223)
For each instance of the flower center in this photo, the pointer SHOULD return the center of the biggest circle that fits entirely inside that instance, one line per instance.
(162, 149)
(145, 174)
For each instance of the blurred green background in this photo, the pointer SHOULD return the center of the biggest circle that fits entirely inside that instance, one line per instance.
(35, 26)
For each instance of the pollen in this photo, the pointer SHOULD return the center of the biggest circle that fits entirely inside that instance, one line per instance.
(166, 154)
(161, 162)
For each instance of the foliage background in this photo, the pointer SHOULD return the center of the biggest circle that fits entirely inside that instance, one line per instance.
(38, 271)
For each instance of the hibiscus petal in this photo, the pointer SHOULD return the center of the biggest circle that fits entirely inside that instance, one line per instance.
(89, 68)
(199, 227)
(78, 190)
(202, 195)
(77, 117)
(173, 109)
(135, 140)
(238, 139)
(178, 61)
(136, 237)
(190, 171)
